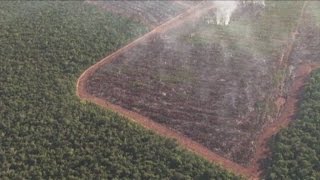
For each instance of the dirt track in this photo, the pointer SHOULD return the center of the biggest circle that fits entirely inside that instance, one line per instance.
(288, 112)
(289, 108)
(253, 171)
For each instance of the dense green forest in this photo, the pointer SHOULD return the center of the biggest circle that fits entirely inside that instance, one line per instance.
(45, 130)
(296, 150)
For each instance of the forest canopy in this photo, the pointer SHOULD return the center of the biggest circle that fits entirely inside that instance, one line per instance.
(45, 130)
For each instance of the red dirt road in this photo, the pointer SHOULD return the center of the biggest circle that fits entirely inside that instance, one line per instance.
(289, 104)
(251, 172)
(287, 115)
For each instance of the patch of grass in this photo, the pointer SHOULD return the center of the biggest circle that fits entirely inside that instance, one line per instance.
(178, 76)
(278, 77)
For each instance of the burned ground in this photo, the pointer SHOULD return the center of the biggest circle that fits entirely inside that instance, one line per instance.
(216, 85)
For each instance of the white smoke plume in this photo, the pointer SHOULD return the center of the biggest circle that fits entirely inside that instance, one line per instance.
(225, 9)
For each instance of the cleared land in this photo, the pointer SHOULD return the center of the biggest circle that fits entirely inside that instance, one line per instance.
(216, 85)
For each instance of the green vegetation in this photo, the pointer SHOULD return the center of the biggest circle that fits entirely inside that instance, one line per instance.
(296, 150)
(45, 130)
(279, 77)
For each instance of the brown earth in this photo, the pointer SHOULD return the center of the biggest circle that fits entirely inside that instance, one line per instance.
(170, 87)
(287, 112)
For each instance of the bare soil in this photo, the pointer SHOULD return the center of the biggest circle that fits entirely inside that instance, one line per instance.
(204, 98)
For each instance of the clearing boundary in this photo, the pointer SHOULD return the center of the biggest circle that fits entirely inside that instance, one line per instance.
(253, 171)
